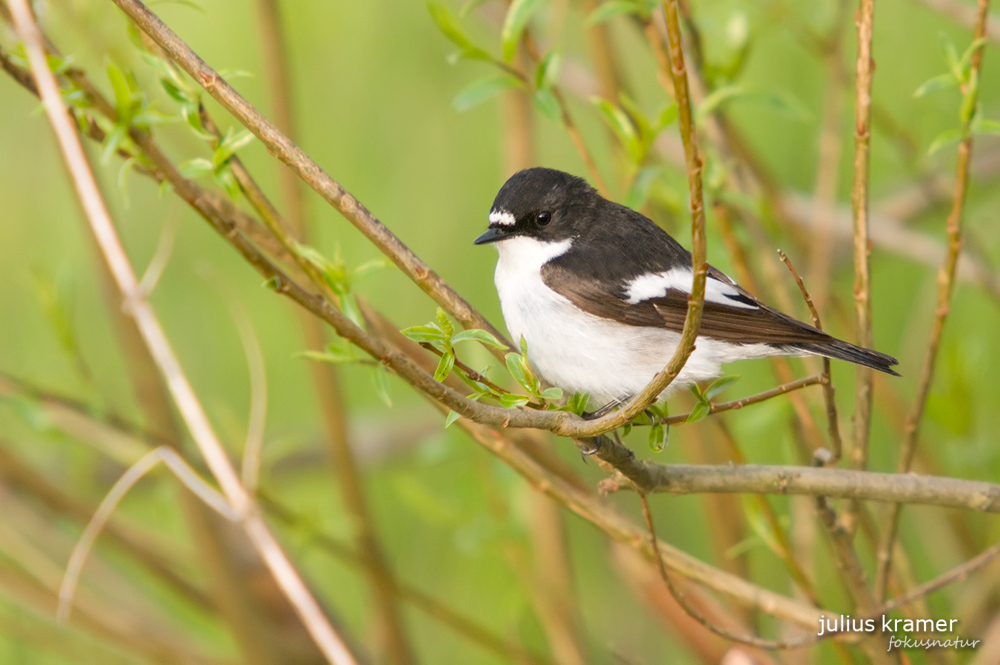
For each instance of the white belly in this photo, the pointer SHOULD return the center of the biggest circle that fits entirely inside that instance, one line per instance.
(580, 352)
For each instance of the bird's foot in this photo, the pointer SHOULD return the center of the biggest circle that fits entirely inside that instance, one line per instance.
(606, 409)
(591, 446)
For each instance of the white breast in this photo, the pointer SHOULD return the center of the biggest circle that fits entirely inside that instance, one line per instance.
(580, 352)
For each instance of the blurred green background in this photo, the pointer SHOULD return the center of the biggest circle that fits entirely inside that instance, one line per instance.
(373, 96)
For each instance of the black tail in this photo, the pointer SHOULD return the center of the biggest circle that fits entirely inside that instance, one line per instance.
(840, 350)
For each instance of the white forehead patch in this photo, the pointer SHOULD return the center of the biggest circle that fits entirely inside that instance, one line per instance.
(502, 217)
(656, 285)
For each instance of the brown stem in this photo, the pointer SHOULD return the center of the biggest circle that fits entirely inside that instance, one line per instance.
(694, 613)
(284, 149)
(865, 68)
(153, 336)
(834, 483)
(783, 389)
(833, 427)
(946, 286)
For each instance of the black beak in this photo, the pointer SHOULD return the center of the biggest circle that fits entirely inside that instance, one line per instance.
(492, 235)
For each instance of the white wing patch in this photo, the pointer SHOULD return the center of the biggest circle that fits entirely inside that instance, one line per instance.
(502, 217)
(656, 285)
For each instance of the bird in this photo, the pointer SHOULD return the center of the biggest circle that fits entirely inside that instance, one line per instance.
(599, 294)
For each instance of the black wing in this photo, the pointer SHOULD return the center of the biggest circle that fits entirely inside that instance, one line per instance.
(731, 314)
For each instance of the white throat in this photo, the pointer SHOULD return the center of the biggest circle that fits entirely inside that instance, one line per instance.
(521, 256)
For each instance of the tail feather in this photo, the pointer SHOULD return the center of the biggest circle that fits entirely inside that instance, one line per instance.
(840, 350)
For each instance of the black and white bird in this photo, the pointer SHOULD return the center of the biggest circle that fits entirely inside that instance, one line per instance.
(600, 292)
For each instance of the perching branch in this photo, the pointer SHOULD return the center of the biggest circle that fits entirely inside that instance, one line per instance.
(834, 483)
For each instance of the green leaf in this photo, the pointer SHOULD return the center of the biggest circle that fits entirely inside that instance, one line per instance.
(657, 437)
(622, 126)
(482, 90)
(150, 117)
(966, 60)
(578, 403)
(753, 506)
(613, 8)
(719, 385)
(166, 70)
(970, 99)
(445, 323)
(700, 410)
(638, 193)
(380, 378)
(445, 365)
(113, 142)
(517, 365)
(475, 334)
(548, 70)
(509, 401)
(668, 116)
(951, 56)
(349, 306)
(778, 100)
(334, 273)
(452, 417)
(272, 283)
(516, 20)
(946, 137)
(450, 27)
(638, 118)
(517, 368)
(448, 24)
(551, 394)
(985, 126)
(367, 268)
(124, 171)
(428, 333)
(547, 104)
(332, 357)
(191, 117)
(225, 178)
(196, 167)
(123, 93)
(229, 144)
(940, 82)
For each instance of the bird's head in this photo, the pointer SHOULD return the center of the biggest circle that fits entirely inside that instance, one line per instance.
(536, 203)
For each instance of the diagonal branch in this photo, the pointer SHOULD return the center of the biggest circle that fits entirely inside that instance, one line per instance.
(194, 416)
(278, 144)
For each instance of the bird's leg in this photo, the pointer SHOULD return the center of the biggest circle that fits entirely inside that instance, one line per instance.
(592, 445)
(606, 409)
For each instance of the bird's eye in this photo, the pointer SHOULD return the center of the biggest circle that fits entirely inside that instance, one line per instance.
(543, 218)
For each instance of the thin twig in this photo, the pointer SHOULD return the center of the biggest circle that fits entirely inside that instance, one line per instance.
(829, 392)
(783, 389)
(461, 624)
(566, 118)
(957, 574)
(946, 286)
(862, 245)
(134, 474)
(278, 144)
(694, 613)
(103, 228)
